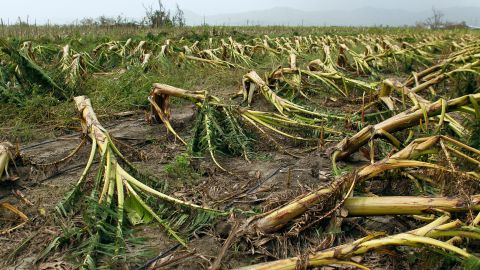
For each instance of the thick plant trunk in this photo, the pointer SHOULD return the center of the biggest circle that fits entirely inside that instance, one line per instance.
(406, 205)
(400, 121)
(6, 157)
(278, 218)
(341, 255)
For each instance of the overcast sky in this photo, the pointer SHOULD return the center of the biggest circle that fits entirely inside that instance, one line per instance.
(65, 11)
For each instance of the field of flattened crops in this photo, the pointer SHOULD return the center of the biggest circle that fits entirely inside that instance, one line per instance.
(241, 150)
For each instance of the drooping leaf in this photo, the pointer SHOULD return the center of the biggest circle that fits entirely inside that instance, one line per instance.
(28, 71)
(136, 214)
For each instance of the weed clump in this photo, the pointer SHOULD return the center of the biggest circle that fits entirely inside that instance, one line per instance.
(181, 167)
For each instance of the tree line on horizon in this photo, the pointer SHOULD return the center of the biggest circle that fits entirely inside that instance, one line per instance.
(161, 17)
(154, 17)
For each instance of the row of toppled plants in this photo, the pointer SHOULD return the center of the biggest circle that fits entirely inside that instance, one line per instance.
(118, 189)
(59, 70)
(416, 130)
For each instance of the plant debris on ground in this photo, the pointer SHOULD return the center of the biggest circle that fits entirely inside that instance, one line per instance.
(340, 147)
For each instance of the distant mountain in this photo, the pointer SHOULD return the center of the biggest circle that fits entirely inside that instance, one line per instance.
(367, 16)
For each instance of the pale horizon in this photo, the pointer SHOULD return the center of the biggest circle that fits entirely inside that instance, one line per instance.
(62, 12)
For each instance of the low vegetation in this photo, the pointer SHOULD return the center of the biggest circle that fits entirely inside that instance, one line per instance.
(391, 115)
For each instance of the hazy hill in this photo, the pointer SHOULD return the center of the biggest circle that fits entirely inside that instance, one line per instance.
(367, 16)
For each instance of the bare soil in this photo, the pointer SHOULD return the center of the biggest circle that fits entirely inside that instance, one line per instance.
(270, 178)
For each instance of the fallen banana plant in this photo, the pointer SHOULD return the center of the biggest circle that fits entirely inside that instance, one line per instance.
(318, 71)
(218, 126)
(409, 118)
(417, 101)
(359, 65)
(426, 236)
(118, 191)
(76, 66)
(120, 194)
(342, 186)
(213, 60)
(235, 52)
(445, 69)
(27, 72)
(252, 82)
(389, 55)
(436, 78)
(434, 145)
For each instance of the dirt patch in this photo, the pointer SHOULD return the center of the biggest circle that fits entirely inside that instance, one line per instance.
(251, 184)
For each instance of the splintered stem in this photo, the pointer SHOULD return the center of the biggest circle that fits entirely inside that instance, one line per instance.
(5, 157)
(403, 159)
(117, 184)
(406, 119)
(425, 236)
(164, 118)
(279, 217)
(407, 205)
(283, 106)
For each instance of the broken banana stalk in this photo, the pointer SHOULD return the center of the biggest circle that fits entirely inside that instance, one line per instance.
(418, 101)
(424, 147)
(426, 236)
(218, 120)
(160, 100)
(434, 75)
(430, 81)
(381, 206)
(118, 189)
(405, 158)
(276, 219)
(252, 82)
(408, 205)
(317, 71)
(213, 62)
(6, 157)
(213, 121)
(258, 119)
(403, 120)
(360, 65)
